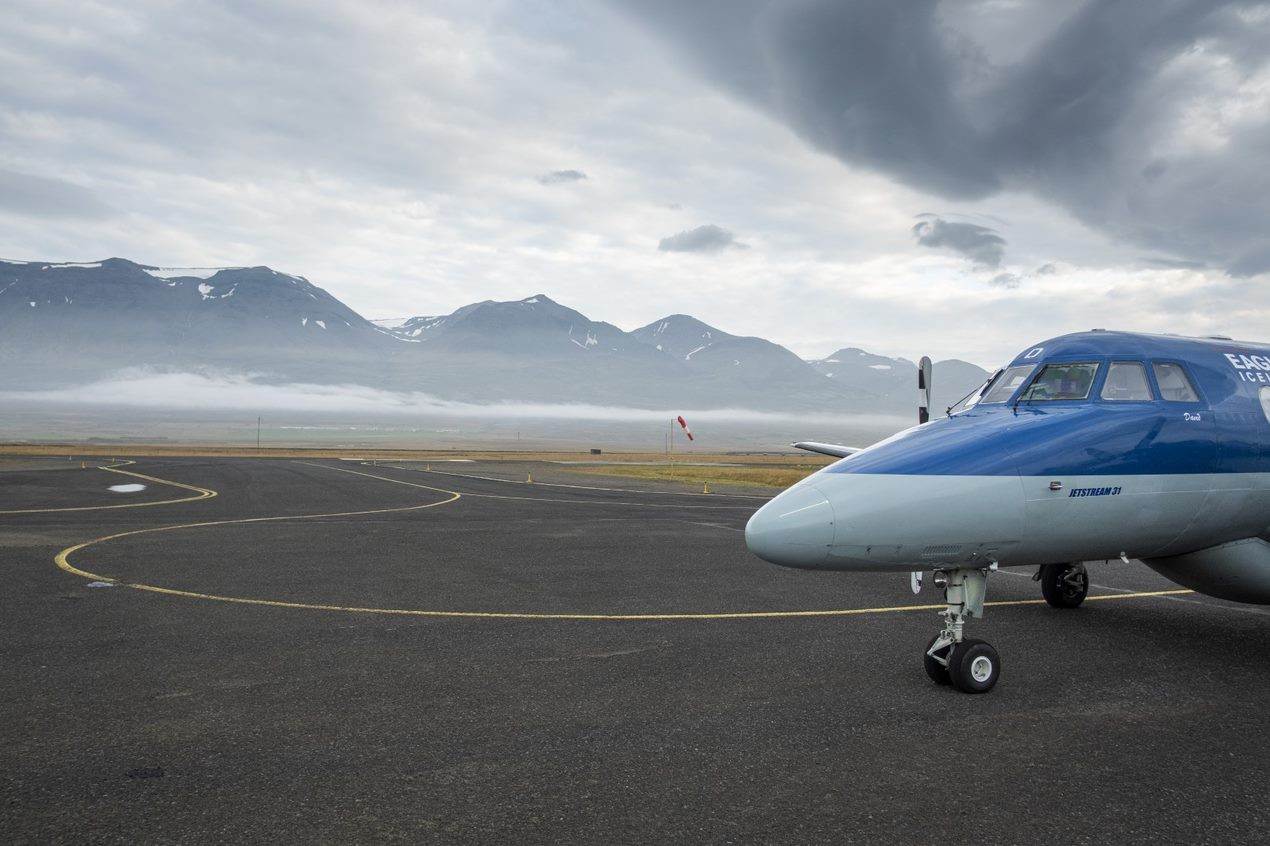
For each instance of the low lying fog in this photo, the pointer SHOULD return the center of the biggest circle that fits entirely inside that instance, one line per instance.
(144, 389)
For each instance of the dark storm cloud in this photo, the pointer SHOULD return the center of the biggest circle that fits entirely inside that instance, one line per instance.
(556, 177)
(53, 198)
(703, 239)
(1105, 113)
(980, 244)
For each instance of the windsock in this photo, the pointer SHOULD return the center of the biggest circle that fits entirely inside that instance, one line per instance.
(684, 423)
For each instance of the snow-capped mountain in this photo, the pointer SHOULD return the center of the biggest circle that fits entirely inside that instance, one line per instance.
(66, 323)
(536, 325)
(740, 364)
(895, 378)
(70, 321)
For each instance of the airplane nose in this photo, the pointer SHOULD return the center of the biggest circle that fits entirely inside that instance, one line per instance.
(793, 530)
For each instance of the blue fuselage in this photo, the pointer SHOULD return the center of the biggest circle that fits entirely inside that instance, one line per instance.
(1174, 460)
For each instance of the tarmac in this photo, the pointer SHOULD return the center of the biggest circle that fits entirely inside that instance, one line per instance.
(336, 651)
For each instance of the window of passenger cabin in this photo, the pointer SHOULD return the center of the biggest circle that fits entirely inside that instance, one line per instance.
(1175, 385)
(1062, 382)
(1126, 382)
(1007, 383)
(1265, 401)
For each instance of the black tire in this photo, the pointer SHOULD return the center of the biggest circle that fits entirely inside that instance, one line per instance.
(1063, 585)
(973, 666)
(938, 672)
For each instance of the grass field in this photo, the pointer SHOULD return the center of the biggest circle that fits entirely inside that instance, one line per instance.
(771, 476)
(780, 462)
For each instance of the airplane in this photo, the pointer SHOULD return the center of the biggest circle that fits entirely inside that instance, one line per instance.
(1090, 446)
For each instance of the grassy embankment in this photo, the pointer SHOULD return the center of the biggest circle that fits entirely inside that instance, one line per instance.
(780, 476)
(782, 464)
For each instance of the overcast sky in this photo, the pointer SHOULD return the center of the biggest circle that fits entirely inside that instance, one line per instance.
(952, 178)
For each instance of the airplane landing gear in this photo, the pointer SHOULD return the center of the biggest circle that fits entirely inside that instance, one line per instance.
(1063, 585)
(969, 665)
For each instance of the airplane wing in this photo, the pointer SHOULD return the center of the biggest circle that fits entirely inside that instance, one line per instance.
(827, 449)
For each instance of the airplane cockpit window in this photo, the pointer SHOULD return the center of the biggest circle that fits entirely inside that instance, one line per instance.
(1174, 384)
(1062, 382)
(1007, 383)
(1126, 381)
(1265, 401)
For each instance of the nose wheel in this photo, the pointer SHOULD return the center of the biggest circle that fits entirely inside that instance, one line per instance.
(968, 664)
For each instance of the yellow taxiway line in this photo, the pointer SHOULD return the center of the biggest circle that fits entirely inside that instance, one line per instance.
(62, 560)
(199, 493)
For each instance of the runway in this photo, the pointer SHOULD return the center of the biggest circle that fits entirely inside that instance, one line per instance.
(336, 651)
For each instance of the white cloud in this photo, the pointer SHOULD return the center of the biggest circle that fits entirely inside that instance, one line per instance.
(392, 154)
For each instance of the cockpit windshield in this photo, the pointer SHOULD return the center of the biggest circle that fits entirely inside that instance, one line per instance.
(1068, 381)
(1007, 383)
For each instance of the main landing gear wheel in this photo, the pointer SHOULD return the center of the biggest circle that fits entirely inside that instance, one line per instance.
(1064, 585)
(973, 666)
(969, 665)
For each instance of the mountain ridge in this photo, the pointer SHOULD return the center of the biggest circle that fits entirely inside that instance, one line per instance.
(71, 322)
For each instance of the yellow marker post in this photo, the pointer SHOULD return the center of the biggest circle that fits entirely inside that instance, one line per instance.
(529, 479)
(705, 488)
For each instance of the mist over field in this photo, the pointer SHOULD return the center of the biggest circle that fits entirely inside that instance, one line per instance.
(222, 409)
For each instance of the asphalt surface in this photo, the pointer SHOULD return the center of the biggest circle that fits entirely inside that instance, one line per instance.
(129, 714)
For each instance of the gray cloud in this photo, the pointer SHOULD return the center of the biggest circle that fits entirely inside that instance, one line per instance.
(703, 239)
(1005, 280)
(1141, 119)
(556, 177)
(54, 198)
(980, 244)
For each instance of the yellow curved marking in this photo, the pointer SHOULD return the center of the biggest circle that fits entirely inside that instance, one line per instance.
(63, 561)
(200, 493)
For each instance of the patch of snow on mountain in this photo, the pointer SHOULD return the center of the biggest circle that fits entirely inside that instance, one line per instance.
(321, 323)
(174, 272)
(590, 341)
(209, 292)
(32, 303)
(879, 367)
(65, 264)
(395, 336)
(694, 352)
(391, 322)
(304, 321)
(530, 301)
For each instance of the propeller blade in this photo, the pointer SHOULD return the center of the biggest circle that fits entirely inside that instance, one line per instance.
(915, 581)
(924, 373)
